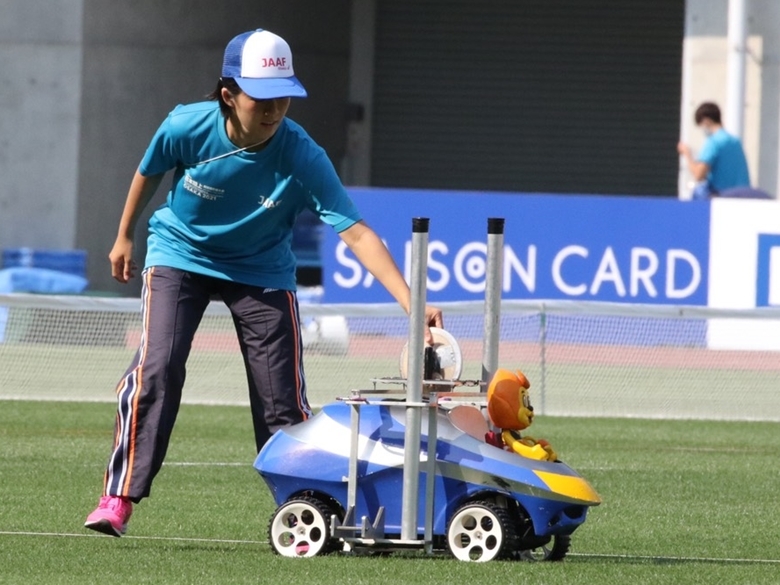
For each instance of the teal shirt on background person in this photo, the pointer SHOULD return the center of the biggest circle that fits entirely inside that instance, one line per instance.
(723, 153)
(230, 214)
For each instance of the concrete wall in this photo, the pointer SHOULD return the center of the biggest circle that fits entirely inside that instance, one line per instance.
(142, 57)
(85, 83)
(40, 91)
(705, 57)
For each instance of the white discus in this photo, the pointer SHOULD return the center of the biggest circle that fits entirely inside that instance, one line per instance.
(447, 351)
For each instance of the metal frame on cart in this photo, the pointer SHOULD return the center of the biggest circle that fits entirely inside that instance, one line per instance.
(371, 533)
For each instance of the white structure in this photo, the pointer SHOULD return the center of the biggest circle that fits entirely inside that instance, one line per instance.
(731, 56)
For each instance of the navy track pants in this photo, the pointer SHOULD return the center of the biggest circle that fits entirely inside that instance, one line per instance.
(148, 396)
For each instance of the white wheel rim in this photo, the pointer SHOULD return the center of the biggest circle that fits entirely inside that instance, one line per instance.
(475, 535)
(298, 530)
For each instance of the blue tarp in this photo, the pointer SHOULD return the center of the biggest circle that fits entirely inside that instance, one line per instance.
(40, 280)
(37, 280)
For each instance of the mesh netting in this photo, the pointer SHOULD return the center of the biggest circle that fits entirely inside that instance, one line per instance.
(591, 359)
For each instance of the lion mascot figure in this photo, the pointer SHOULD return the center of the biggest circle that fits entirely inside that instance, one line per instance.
(510, 410)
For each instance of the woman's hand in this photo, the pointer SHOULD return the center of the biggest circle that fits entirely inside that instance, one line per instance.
(121, 257)
(433, 318)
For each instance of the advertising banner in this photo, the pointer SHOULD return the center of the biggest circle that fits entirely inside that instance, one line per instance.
(744, 272)
(620, 249)
(745, 267)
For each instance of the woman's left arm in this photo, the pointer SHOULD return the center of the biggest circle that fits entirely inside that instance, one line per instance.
(374, 256)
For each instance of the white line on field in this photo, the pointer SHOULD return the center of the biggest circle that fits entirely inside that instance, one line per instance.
(230, 541)
(674, 559)
(172, 538)
(206, 464)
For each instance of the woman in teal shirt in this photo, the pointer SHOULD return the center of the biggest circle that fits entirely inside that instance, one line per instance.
(242, 173)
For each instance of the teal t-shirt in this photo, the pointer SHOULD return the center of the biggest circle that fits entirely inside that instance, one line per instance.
(723, 153)
(230, 214)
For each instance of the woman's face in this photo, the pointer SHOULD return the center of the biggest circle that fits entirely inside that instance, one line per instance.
(254, 121)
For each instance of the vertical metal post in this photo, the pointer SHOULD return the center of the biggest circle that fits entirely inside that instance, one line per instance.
(684, 180)
(352, 477)
(737, 65)
(430, 472)
(493, 283)
(414, 383)
(543, 357)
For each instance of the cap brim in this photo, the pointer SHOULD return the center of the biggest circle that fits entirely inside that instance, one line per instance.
(270, 88)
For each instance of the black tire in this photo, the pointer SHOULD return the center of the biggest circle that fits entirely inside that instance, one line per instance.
(555, 550)
(301, 528)
(481, 531)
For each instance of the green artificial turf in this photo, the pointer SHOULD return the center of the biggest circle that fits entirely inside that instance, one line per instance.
(685, 502)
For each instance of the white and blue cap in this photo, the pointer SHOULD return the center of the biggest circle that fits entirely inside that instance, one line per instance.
(261, 63)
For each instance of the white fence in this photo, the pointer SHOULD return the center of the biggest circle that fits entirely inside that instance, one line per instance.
(589, 359)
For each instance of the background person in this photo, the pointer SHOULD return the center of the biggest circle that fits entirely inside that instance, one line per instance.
(721, 165)
(242, 173)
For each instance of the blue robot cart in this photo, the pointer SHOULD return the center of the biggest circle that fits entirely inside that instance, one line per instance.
(475, 500)
(374, 473)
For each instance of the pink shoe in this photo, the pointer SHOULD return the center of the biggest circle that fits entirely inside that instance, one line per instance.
(111, 516)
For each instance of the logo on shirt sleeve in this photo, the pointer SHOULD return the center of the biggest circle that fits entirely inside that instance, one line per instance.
(267, 202)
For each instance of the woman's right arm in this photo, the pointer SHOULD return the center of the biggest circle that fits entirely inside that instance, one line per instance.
(121, 256)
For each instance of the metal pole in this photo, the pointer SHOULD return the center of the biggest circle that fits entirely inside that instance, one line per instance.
(735, 78)
(411, 477)
(543, 358)
(684, 181)
(352, 476)
(777, 188)
(493, 283)
(430, 474)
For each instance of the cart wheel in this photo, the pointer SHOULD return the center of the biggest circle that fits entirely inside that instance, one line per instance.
(480, 532)
(301, 528)
(555, 550)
